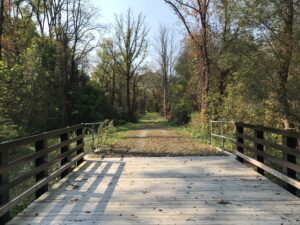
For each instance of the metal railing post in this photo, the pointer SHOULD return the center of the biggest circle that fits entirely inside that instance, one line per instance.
(93, 138)
(211, 132)
(222, 134)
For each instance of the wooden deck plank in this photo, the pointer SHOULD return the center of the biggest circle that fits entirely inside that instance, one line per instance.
(183, 190)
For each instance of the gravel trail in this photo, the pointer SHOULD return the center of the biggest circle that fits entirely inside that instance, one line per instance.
(160, 141)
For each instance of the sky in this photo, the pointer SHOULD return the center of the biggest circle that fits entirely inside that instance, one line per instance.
(156, 12)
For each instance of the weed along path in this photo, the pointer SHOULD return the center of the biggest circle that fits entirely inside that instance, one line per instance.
(152, 135)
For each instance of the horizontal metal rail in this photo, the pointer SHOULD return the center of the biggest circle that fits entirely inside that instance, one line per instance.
(222, 121)
(95, 130)
(222, 136)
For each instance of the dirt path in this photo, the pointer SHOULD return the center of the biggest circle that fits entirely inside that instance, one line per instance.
(154, 137)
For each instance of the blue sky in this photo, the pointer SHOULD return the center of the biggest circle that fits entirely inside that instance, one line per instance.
(156, 12)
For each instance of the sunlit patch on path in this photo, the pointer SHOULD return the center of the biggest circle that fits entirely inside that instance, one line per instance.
(180, 190)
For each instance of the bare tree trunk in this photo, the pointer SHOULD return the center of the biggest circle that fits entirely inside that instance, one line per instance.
(113, 93)
(129, 112)
(165, 90)
(134, 86)
(203, 7)
(144, 106)
(166, 51)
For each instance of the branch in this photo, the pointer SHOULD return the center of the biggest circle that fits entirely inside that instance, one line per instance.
(177, 11)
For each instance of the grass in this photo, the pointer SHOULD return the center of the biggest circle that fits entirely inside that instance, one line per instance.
(197, 134)
(147, 121)
(155, 121)
(152, 135)
(203, 135)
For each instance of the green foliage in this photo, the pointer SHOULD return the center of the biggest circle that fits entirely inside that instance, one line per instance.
(91, 105)
(43, 96)
(105, 135)
(183, 96)
(8, 130)
(32, 88)
(244, 68)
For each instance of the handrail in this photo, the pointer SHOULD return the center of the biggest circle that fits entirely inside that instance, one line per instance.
(254, 148)
(221, 135)
(290, 133)
(39, 150)
(222, 121)
(29, 139)
(96, 130)
(251, 140)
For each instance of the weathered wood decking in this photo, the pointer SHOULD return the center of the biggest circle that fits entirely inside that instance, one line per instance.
(198, 190)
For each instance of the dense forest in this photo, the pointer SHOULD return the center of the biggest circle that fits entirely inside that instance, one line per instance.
(239, 60)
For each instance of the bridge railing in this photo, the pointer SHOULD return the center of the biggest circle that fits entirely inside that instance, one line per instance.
(271, 150)
(222, 130)
(97, 134)
(29, 165)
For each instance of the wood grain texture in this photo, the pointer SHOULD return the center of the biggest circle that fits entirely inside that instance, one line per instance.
(196, 190)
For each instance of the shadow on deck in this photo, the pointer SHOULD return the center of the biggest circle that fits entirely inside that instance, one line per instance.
(185, 190)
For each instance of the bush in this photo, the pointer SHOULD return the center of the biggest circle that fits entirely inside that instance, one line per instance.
(199, 126)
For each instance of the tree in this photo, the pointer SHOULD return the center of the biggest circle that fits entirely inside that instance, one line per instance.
(75, 35)
(228, 35)
(183, 86)
(106, 73)
(44, 60)
(198, 32)
(70, 23)
(275, 22)
(130, 49)
(166, 58)
(151, 90)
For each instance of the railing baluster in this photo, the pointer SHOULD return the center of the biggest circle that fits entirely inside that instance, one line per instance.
(211, 132)
(291, 143)
(79, 142)
(65, 137)
(260, 148)
(240, 140)
(222, 134)
(4, 178)
(40, 145)
(93, 137)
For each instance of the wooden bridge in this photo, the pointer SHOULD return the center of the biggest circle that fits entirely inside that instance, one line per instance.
(182, 190)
